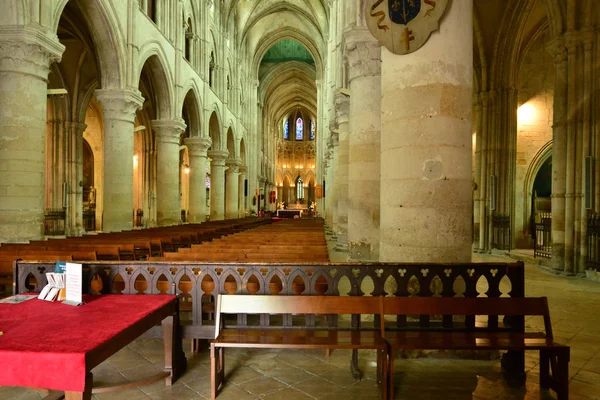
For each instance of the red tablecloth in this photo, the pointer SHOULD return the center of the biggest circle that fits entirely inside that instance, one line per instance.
(44, 344)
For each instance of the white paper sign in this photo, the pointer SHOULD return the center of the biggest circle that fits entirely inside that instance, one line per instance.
(74, 283)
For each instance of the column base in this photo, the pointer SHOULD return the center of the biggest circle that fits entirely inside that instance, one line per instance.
(361, 252)
(342, 243)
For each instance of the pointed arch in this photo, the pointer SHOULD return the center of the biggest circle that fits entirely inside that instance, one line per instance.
(102, 22)
(153, 60)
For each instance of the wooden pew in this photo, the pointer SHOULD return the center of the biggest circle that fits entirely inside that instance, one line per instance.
(447, 334)
(295, 337)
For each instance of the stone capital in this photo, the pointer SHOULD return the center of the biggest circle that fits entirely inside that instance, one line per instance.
(75, 127)
(198, 146)
(363, 53)
(233, 165)
(218, 157)
(335, 138)
(558, 50)
(119, 104)
(168, 131)
(28, 51)
(587, 37)
(243, 169)
(342, 108)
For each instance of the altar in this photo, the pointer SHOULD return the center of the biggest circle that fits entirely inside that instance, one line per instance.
(293, 210)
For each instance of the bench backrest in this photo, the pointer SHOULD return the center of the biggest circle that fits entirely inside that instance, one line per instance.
(320, 305)
(507, 306)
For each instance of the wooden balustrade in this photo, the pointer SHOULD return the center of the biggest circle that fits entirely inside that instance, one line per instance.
(198, 282)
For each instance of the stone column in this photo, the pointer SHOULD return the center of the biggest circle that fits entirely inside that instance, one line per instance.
(559, 152)
(168, 205)
(197, 149)
(217, 184)
(426, 130)
(342, 105)
(241, 192)
(118, 108)
(364, 61)
(75, 211)
(332, 189)
(232, 181)
(25, 57)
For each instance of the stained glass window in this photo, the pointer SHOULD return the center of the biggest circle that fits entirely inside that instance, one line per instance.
(286, 129)
(312, 130)
(299, 129)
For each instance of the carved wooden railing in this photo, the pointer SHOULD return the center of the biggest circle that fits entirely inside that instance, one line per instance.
(199, 283)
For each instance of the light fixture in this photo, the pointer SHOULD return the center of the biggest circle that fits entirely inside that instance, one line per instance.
(135, 160)
(186, 170)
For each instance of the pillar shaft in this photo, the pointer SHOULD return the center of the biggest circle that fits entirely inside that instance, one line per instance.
(217, 184)
(168, 202)
(232, 181)
(118, 107)
(364, 60)
(25, 57)
(559, 151)
(241, 192)
(75, 174)
(198, 159)
(426, 159)
(342, 105)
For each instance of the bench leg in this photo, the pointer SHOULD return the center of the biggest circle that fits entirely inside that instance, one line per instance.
(545, 380)
(217, 369)
(354, 366)
(390, 373)
(561, 373)
(513, 365)
(382, 371)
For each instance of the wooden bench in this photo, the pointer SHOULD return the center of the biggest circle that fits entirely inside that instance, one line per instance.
(293, 337)
(448, 333)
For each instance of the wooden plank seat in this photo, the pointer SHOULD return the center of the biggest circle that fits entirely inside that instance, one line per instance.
(450, 334)
(308, 337)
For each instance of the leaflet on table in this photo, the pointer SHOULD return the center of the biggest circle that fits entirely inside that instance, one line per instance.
(51, 291)
(18, 298)
(74, 284)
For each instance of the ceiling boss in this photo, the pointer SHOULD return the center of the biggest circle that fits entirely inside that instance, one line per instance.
(403, 26)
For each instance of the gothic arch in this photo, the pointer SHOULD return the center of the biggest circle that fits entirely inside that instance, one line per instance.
(214, 130)
(152, 56)
(276, 36)
(192, 109)
(14, 12)
(110, 47)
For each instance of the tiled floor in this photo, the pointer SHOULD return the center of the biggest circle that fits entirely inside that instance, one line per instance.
(291, 375)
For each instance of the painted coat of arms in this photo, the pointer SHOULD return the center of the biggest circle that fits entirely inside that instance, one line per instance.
(403, 26)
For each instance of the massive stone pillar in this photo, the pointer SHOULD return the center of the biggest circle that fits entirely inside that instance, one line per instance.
(118, 108)
(426, 144)
(197, 149)
(75, 173)
(342, 103)
(242, 192)
(25, 57)
(217, 184)
(364, 61)
(168, 135)
(232, 182)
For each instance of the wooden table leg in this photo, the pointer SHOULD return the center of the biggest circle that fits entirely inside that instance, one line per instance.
(175, 361)
(87, 391)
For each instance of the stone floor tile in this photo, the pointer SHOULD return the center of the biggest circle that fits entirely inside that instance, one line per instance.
(180, 392)
(239, 374)
(318, 387)
(287, 394)
(131, 394)
(262, 386)
(288, 374)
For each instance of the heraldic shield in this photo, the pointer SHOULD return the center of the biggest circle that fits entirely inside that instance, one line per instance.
(403, 26)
